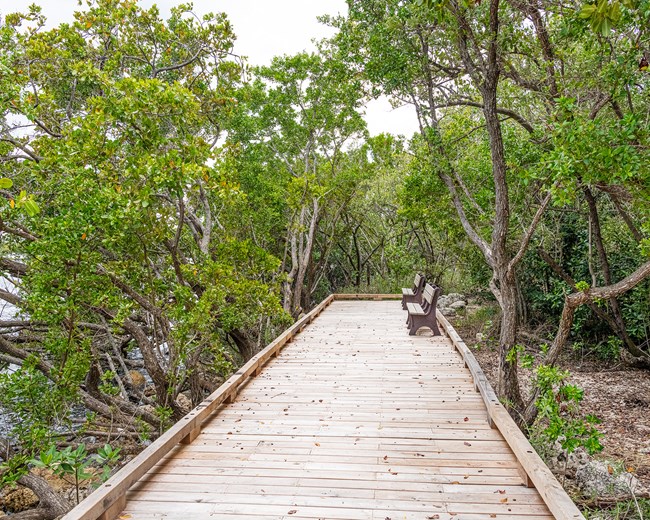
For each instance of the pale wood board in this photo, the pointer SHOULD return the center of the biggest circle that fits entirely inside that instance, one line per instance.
(355, 419)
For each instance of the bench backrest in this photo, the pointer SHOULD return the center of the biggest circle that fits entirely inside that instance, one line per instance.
(430, 295)
(418, 283)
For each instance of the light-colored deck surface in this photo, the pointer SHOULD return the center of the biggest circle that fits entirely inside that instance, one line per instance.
(354, 420)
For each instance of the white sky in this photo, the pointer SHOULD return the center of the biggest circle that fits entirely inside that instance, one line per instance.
(264, 28)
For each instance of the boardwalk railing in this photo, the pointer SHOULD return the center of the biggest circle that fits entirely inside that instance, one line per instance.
(536, 472)
(109, 499)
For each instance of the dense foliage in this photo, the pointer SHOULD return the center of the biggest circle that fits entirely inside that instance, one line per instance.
(166, 209)
(534, 133)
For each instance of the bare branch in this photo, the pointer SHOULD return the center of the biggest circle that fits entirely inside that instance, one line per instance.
(504, 111)
(525, 242)
(177, 66)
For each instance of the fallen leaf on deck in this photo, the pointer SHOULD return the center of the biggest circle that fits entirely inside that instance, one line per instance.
(467, 443)
(504, 500)
(292, 512)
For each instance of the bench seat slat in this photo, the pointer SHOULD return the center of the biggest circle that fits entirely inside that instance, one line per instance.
(415, 308)
(407, 292)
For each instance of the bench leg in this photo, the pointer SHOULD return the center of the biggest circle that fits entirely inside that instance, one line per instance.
(434, 327)
(417, 322)
(409, 320)
(414, 325)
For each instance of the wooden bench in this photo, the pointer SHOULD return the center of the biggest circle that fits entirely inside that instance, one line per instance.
(413, 295)
(424, 315)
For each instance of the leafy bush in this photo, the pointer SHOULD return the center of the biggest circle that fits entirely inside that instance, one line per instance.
(559, 418)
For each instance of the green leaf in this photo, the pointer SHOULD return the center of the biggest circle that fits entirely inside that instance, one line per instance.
(6, 183)
(582, 286)
(605, 27)
(31, 208)
(83, 475)
(587, 11)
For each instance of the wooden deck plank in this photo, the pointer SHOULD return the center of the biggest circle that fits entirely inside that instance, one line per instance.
(353, 420)
(420, 422)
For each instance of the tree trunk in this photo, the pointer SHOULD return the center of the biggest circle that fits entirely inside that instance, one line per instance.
(51, 505)
(621, 329)
(508, 385)
(508, 381)
(304, 259)
(571, 303)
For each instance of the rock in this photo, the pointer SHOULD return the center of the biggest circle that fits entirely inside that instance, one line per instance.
(184, 401)
(559, 461)
(19, 499)
(138, 379)
(147, 408)
(480, 336)
(595, 479)
(460, 304)
(447, 301)
(454, 297)
(446, 311)
(89, 440)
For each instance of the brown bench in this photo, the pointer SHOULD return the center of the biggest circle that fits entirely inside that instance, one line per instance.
(414, 295)
(424, 315)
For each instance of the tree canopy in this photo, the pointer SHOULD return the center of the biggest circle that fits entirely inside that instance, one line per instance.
(167, 209)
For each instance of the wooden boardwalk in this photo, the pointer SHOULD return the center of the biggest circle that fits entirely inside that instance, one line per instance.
(355, 419)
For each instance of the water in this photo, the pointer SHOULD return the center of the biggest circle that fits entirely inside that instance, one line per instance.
(8, 311)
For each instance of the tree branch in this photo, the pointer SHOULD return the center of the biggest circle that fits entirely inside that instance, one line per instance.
(530, 232)
(504, 111)
(177, 66)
